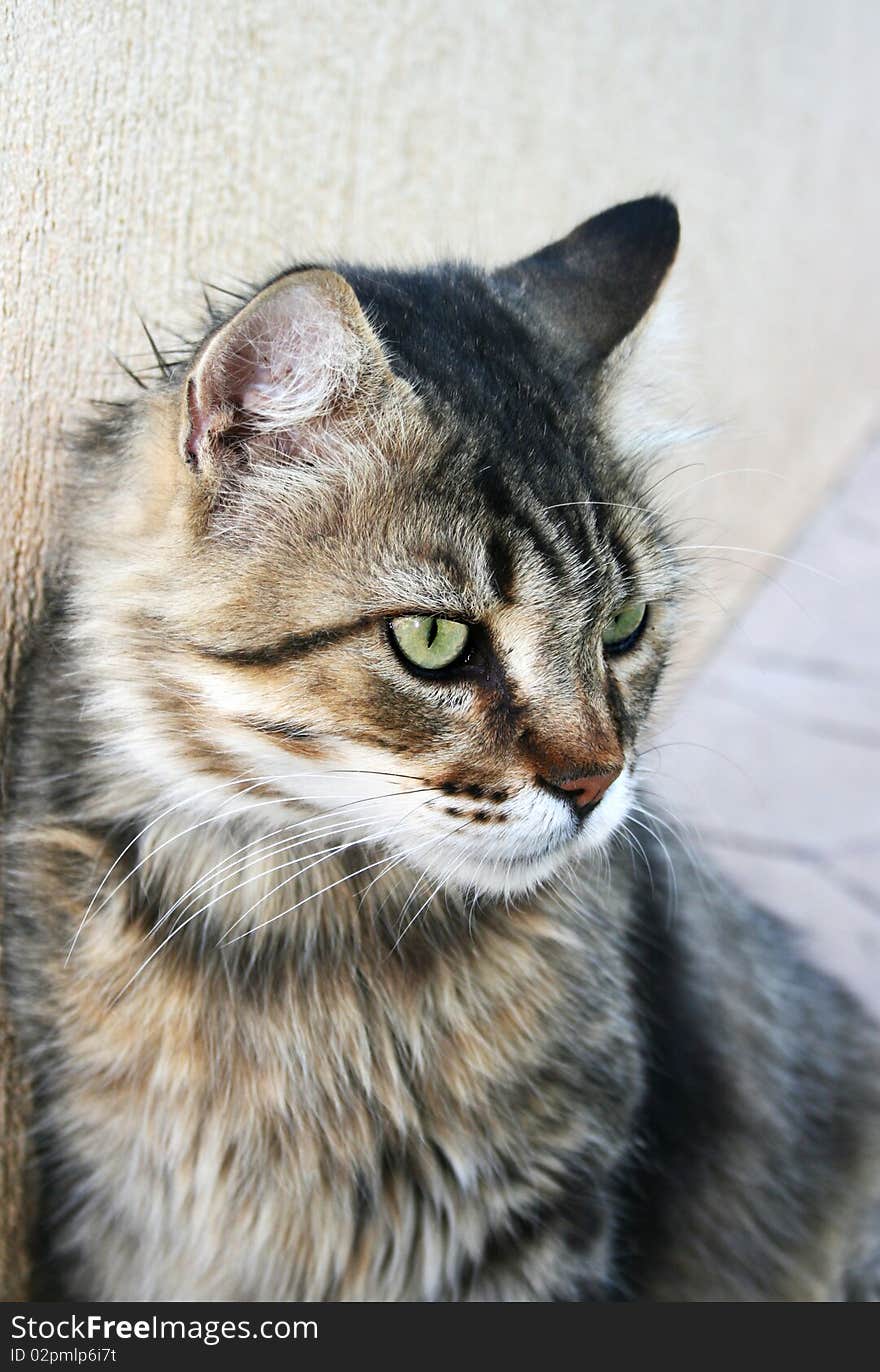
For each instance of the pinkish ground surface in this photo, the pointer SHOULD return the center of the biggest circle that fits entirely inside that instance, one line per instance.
(774, 753)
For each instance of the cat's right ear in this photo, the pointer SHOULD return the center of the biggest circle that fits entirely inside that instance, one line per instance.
(591, 289)
(294, 359)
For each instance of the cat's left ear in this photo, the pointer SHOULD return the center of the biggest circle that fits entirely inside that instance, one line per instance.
(300, 355)
(591, 289)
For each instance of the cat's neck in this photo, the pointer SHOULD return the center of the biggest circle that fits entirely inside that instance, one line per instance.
(301, 888)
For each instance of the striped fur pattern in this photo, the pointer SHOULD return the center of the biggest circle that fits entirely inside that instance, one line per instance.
(329, 988)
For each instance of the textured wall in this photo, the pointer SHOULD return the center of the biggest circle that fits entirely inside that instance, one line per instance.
(150, 143)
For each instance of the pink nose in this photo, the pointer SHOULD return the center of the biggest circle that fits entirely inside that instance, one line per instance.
(588, 790)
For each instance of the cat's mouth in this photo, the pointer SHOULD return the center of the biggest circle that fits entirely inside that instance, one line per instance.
(526, 842)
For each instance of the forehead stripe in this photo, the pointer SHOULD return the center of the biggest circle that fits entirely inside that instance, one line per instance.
(501, 563)
(506, 510)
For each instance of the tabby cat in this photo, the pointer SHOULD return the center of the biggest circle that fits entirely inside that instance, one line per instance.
(334, 975)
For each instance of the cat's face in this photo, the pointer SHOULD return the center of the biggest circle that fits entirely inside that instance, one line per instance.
(408, 582)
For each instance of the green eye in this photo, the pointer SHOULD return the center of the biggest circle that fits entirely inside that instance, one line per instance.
(621, 631)
(428, 641)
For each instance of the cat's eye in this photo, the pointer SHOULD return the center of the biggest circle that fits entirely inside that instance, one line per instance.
(622, 631)
(429, 642)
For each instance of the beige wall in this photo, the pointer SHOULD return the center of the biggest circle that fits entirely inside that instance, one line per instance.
(150, 143)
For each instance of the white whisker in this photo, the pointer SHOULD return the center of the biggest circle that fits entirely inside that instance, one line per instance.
(331, 886)
(178, 928)
(284, 843)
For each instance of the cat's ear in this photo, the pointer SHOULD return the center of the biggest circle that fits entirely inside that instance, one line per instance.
(592, 288)
(298, 355)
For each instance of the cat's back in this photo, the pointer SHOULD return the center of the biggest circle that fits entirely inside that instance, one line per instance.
(757, 1175)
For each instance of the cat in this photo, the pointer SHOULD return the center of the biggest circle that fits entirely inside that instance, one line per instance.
(333, 973)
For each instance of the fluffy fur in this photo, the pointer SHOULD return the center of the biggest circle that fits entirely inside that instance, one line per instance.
(328, 988)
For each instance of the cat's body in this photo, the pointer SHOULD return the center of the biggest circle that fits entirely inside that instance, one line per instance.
(357, 1007)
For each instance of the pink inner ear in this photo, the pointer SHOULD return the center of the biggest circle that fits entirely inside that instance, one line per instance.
(284, 361)
(260, 386)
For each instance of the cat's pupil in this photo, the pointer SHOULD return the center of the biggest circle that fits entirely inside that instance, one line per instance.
(433, 629)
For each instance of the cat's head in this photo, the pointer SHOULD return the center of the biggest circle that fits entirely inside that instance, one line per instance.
(375, 548)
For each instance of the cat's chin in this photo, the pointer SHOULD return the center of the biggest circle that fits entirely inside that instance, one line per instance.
(520, 876)
(513, 876)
